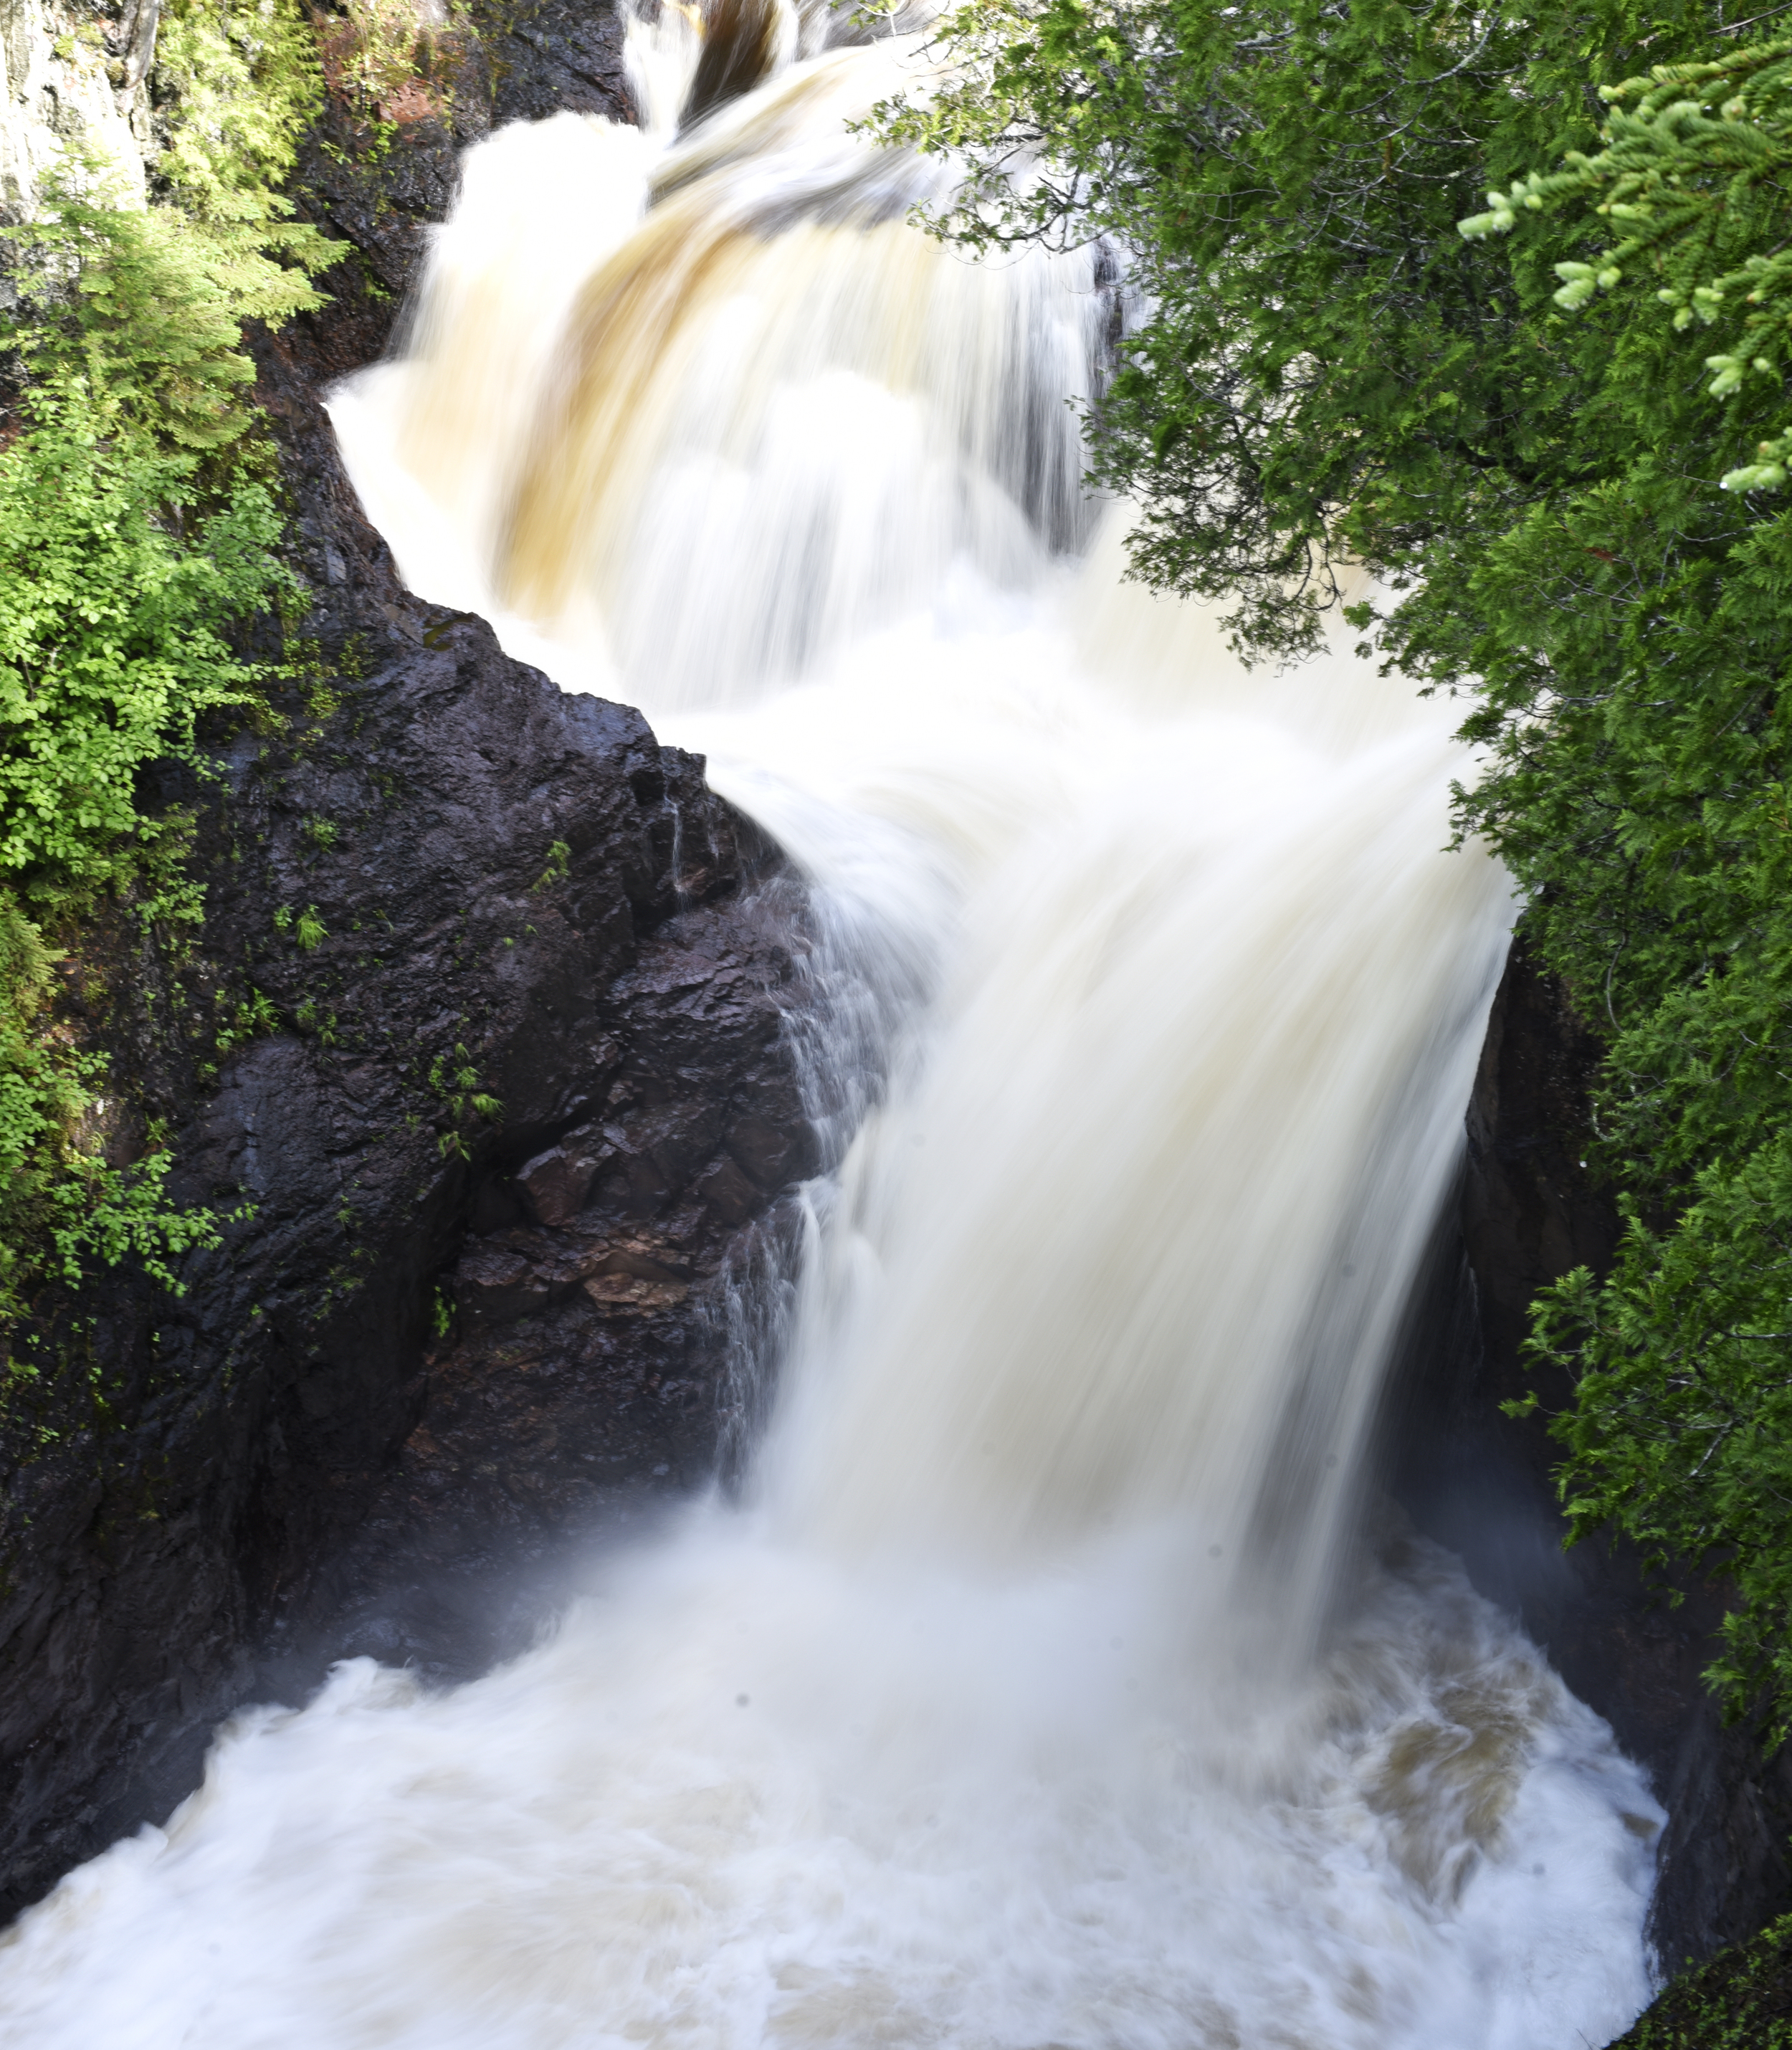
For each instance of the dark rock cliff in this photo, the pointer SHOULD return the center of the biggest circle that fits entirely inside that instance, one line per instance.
(1480, 1482)
(480, 1046)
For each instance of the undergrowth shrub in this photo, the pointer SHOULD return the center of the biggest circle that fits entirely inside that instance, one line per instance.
(146, 304)
(243, 82)
(117, 585)
(144, 308)
(111, 640)
(136, 531)
(1740, 1999)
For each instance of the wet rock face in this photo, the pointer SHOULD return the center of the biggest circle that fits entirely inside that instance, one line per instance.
(593, 1349)
(552, 58)
(1481, 1482)
(509, 1022)
(528, 1081)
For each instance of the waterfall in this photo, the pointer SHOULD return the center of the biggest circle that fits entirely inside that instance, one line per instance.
(1058, 1683)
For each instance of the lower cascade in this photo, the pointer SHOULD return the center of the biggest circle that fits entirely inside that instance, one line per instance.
(1057, 1681)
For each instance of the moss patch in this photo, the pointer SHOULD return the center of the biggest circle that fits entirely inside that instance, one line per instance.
(1742, 1999)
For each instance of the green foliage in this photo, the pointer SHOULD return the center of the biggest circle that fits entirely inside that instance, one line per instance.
(133, 534)
(250, 1018)
(1327, 370)
(1467, 297)
(396, 63)
(110, 648)
(41, 1091)
(111, 652)
(1646, 808)
(145, 307)
(1690, 175)
(559, 865)
(108, 1214)
(245, 81)
(455, 1082)
(1740, 1999)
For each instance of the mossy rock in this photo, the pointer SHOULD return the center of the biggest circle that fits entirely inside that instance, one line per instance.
(1742, 1999)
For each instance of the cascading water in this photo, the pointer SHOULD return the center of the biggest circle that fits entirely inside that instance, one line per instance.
(1054, 1684)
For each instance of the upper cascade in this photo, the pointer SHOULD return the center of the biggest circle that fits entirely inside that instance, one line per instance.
(754, 414)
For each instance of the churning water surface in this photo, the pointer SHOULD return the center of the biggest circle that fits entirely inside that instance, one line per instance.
(1051, 1688)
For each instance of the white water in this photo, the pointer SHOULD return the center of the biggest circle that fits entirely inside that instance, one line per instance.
(1045, 1692)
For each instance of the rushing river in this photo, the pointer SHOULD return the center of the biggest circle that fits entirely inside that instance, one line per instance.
(1053, 1686)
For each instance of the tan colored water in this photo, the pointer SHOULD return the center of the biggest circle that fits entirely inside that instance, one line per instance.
(1043, 1692)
